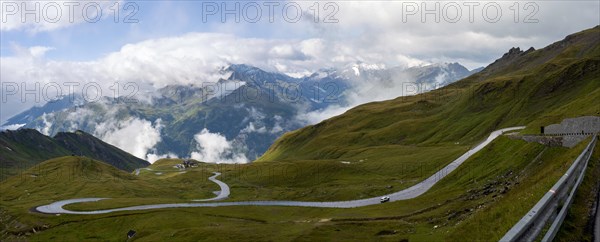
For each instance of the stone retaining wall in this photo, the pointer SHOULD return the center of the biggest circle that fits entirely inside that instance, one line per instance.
(573, 126)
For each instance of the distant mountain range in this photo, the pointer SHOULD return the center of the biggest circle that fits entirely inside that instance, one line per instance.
(34, 113)
(23, 148)
(231, 120)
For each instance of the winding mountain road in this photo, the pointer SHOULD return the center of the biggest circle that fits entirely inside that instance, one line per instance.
(408, 193)
(224, 193)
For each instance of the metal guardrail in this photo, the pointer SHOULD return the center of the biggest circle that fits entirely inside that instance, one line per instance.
(554, 204)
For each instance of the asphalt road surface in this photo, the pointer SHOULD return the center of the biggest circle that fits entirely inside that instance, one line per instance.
(224, 193)
(408, 193)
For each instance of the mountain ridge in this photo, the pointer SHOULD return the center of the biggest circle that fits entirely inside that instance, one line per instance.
(24, 148)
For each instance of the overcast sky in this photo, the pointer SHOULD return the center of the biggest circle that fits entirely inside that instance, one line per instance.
(156, 43)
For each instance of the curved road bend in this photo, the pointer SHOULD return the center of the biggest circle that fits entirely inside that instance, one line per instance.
(411, 192)
(224, 193)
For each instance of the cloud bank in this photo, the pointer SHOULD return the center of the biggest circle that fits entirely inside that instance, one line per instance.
(215, 148)
(136, 136)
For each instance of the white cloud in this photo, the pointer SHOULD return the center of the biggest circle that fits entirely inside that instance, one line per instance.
(277, 126)
(79, 116)
(154, 157)
(136, 136)
(47, 124)
(215, 148)
(11, 127)
(316, 116)
(250, 128)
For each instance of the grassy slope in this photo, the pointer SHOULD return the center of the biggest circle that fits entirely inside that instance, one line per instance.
(22, 149)
(368, 173)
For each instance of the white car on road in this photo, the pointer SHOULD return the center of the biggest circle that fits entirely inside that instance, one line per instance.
(384, 199)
